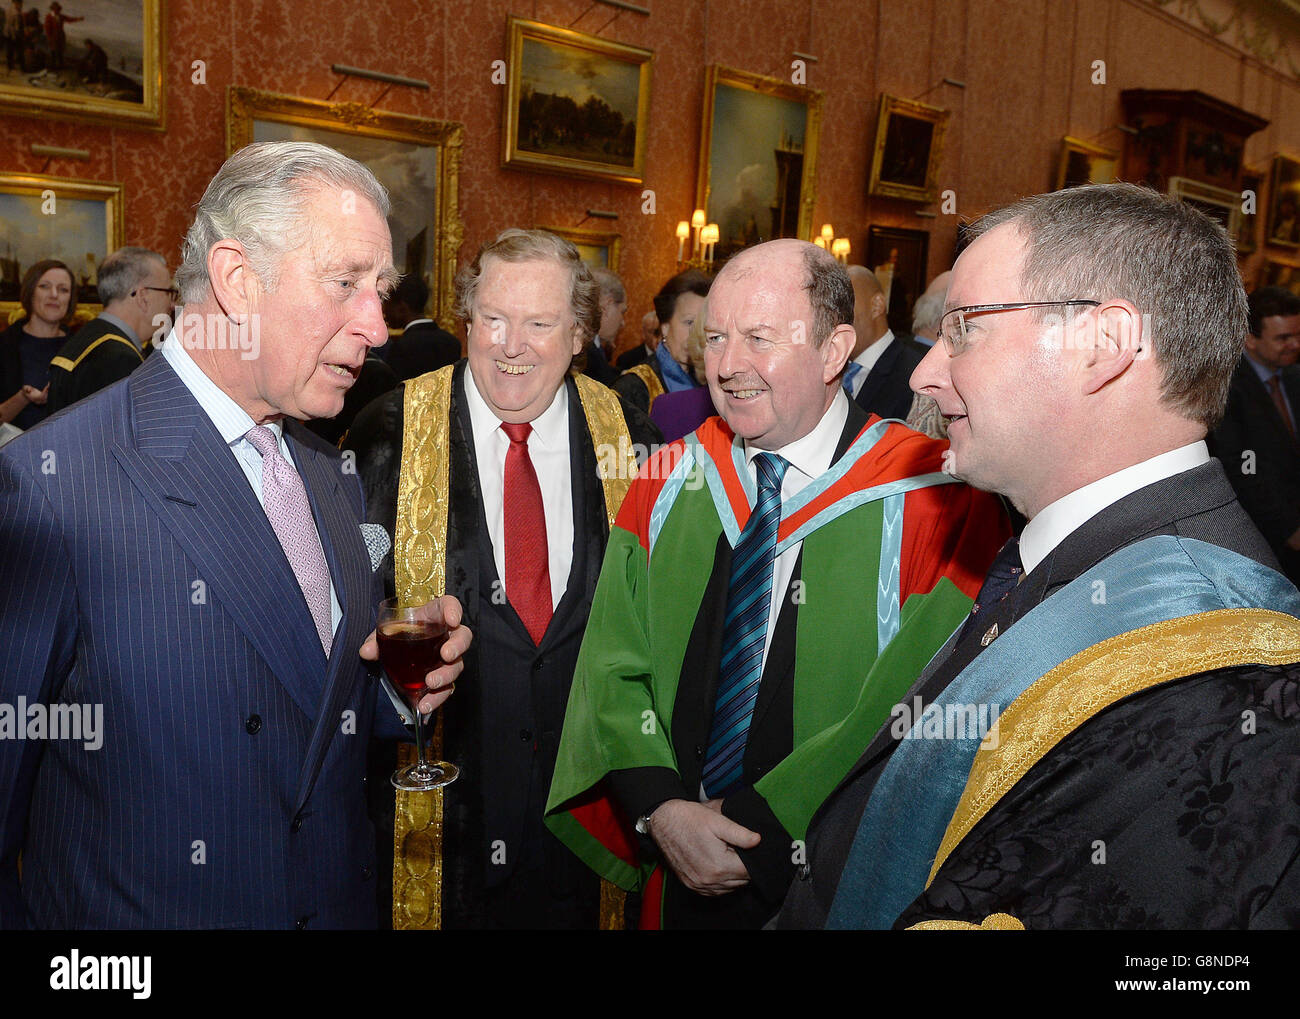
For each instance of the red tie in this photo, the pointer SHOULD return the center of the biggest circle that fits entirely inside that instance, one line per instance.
(1275, 390)
(528, 577)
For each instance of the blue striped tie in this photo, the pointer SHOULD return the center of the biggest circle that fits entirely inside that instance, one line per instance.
(749, 602)
(850, 373)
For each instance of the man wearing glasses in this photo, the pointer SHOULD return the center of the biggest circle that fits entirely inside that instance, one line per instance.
(1137, 641)
(136, 290)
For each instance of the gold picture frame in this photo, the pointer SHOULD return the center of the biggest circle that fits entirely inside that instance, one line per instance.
(1083, 162)
(757, 174)
(908, 149)
(123, 88)
(417, 158)
(599, 248)
(542, 130)
(1284, 203)
(1219, 204)
(36, 208)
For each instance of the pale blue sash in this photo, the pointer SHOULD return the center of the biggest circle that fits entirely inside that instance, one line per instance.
(1154, 580)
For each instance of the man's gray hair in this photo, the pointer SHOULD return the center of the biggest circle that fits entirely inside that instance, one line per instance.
(830, 292)
(124, 270)
(1173, 263)
(515, 245)
(927, 311)
(610, 285)
(257, 198)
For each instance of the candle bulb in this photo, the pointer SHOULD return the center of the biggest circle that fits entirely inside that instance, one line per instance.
(828, 233)
(683, 231)
(697, 223)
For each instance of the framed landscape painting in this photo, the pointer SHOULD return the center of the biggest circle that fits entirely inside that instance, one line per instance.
(758, 158)
(415, 158)
(76, 221)
(575, 104)
(98, 61)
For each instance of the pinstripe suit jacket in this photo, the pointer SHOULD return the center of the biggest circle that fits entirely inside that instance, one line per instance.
(139, 572)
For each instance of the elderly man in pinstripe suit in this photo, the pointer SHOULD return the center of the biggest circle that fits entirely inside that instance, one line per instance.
(181, 554)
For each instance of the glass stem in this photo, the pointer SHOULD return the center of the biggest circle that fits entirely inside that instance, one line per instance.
(421, 766)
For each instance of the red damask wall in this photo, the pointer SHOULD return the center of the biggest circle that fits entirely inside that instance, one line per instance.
(1026, 65)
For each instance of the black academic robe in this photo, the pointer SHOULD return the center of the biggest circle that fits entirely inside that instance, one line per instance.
(634, 391)
(1195, 817)
(423, 346)
(85, 365)
(501, 866)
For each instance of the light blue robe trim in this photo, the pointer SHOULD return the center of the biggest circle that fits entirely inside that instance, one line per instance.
(1150, 581)
(730, 526)
(891, 551)
(668, 496)
(856, 499)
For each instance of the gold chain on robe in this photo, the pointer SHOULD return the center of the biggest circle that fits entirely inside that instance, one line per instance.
(420, 574)
(1091, 681)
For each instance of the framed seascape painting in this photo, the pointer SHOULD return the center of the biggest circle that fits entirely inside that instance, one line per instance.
(909, 146)
(598, 248)
(575, 104)
(1284, 203)
(416, 158)
(1082, 162)
(76, 221)
(898, 257)
(758, 158)
(98, 61)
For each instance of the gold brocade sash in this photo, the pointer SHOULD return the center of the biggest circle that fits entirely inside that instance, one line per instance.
(653, 386)
(1091, 681)
(420, 573)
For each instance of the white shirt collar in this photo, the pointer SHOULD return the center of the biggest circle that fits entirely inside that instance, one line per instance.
(871, 355)
(1054, 523)
(551, 427)
(812, 455)
(232, 421)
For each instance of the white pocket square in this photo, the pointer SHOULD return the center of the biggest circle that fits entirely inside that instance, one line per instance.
(377, 544)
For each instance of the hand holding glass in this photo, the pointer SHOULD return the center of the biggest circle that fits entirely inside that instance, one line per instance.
(410, 647)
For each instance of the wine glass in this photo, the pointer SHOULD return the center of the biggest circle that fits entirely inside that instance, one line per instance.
(410, 647)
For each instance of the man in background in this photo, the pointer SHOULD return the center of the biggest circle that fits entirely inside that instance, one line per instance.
(136, 289)
(1257, 438)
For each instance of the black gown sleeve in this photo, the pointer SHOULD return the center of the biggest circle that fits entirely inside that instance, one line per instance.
(376, 440)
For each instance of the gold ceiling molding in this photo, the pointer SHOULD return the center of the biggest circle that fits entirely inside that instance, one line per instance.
(1268, 30)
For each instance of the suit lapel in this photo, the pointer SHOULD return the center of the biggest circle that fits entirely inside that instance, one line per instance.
(879, 373)
(190, 478)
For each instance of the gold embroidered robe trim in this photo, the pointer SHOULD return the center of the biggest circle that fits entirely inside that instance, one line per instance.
(420, 573)
(1097, 677)
(653, 386)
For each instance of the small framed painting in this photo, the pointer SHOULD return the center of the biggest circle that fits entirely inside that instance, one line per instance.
(909, 145)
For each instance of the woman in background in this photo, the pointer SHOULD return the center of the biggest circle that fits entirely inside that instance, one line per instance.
(49, 298)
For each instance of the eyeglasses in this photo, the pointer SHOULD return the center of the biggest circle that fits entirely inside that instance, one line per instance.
(171, 292)
(953, 326)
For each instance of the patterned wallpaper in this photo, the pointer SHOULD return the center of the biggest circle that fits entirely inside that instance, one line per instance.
(1026, 66)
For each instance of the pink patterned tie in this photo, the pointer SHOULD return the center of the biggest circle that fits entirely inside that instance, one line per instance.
(290, 514)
